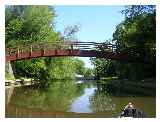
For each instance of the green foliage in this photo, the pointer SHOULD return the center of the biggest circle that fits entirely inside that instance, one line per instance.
(30, 24)
(136, 37)
(79, 64)
(30, 68)
(26, 25)
(136, 10)
(88, 73)
(103, 67)
(9, 77)
(61, 68)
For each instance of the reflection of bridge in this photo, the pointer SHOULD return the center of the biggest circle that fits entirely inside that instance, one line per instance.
(68, 48)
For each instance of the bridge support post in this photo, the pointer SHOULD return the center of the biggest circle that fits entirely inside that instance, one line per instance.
(71, 49)
(18, 53)
(43, 52)
(31, 51)
(112, 48)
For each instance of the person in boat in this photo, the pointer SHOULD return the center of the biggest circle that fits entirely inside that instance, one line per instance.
(129, 110)
(130, 105)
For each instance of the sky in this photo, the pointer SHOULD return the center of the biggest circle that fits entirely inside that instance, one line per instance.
(97, 23)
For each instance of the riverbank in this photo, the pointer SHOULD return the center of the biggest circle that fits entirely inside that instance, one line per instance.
(145, 87)
(20, 82)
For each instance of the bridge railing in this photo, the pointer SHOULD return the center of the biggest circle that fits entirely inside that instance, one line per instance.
(62, 45)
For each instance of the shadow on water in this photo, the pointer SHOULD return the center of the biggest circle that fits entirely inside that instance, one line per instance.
(73, 99)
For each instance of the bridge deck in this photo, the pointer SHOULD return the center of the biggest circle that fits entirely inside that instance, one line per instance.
(57, 49)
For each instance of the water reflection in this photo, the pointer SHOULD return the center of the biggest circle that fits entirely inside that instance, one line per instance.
(82, 103)
(57, 97)
(72, 99)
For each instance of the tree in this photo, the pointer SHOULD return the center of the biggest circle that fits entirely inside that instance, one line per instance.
(136, 10)
(88, 73)
(103, 67)
(60, 68)
(28, 24)
(33, 24)
(136, 37)
(69, 32)
(79, 65)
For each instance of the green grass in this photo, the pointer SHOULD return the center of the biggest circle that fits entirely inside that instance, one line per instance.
(9, 77)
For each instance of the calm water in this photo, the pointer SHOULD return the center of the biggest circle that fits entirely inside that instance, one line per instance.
(72, 99)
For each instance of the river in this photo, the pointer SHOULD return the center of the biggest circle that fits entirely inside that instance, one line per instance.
(74, 99)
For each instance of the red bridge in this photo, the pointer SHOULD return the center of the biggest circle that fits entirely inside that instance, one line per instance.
(65, 48)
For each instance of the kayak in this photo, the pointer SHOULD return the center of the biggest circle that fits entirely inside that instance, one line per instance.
(132, 112)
